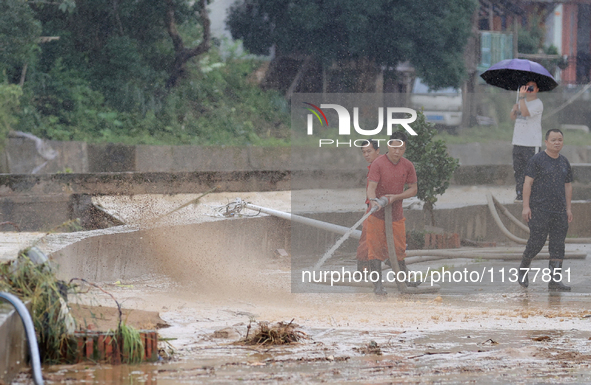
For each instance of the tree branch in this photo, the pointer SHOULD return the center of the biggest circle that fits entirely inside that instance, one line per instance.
(206, 24)
(182, 54)
(177, 41)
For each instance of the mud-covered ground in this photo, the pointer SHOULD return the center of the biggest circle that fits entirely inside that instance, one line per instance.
(515, 336)
(482, 332)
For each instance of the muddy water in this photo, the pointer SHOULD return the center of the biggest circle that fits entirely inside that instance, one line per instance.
(490, 356)
(473, 337)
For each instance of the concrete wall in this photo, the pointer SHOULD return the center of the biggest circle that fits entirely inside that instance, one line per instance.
(79, 157)
(13, 346)
(501, 153)
(184, 252)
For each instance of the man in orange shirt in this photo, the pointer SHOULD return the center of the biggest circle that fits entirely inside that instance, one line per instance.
(371, 152)
(387, 177)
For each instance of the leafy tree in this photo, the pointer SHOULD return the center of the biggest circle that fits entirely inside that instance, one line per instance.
(432, 36)
(130, 50)
(531, 38)
(139, 71)
(9, 102)
(433, 165)
(19, 34)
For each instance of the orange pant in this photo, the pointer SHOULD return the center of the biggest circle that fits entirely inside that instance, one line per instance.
(377, 246)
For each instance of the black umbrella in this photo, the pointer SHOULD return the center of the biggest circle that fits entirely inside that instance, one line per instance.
(511, 74)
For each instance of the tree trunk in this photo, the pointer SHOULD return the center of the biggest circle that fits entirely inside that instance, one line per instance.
(182, 54)
(471, 60)
(428, 209)
(296, 81)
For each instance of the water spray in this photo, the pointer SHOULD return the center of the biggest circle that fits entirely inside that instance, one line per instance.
(382, 202)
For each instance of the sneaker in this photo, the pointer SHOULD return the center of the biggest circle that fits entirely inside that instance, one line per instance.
(519, 199)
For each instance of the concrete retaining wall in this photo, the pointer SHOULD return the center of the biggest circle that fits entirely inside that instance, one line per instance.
(184, 252)
(41, 202)
(79, 157)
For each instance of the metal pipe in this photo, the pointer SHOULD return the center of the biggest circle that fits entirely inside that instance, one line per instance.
(30, 332)
(306, 221)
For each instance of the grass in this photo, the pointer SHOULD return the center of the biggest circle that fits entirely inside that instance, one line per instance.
(39, 285)
(132, 349)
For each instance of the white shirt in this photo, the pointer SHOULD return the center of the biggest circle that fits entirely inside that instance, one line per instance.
(528, 130)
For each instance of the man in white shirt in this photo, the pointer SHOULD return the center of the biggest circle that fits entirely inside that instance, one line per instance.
(527, 134)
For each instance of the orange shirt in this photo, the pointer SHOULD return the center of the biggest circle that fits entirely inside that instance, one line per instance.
(391, 179)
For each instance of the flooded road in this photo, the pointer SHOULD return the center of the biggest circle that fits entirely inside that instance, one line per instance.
(477, 336)
(489, 357)
(489, 332)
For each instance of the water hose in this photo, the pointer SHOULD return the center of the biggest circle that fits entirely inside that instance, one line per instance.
(303, 220)
(30, 332)
(495, 215)
(491, 206)
(402, 288)
(508, 214)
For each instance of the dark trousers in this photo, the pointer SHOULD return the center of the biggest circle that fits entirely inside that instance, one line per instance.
(541, 225)
(521, 155)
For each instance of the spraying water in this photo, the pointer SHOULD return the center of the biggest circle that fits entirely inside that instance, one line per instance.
(345, 236)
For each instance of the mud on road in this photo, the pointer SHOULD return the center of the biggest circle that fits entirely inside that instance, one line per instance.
(516, 337)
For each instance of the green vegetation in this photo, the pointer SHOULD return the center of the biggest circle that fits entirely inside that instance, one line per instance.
(129, 73)
(415, 239)
(380, 31)
(132, 346)
(433, 166)
(216, 106)
(39, 285)
(9, 102)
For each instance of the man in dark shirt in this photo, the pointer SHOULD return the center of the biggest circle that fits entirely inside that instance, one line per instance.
(547, 193)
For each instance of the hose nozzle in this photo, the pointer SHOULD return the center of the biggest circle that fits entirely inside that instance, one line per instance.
(382, 202)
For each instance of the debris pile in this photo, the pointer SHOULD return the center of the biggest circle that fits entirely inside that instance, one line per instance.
(279, 334)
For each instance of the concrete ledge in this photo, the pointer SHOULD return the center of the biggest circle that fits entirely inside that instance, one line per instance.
(41, 202)
(80, 157)
(130, 183)
(13, 351)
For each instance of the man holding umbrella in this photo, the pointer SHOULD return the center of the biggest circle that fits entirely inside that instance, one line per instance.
(527, 134)
(527, 77)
